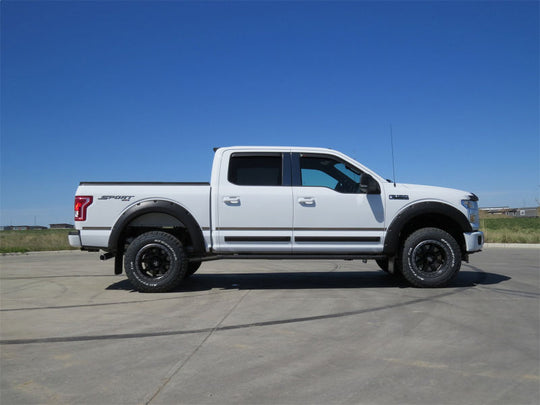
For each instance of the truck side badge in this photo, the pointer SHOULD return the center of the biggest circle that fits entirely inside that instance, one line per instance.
(398, 197)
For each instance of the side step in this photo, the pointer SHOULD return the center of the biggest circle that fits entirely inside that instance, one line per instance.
(286, 257)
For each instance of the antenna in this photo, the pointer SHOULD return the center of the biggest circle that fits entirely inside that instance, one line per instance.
(393, 160)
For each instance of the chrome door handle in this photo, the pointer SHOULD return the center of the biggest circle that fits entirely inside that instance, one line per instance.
(306, 201)
(231, 200)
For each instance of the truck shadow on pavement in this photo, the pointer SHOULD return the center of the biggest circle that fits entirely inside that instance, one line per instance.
(313, 280)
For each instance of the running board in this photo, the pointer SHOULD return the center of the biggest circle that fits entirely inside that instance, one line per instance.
(287, 257)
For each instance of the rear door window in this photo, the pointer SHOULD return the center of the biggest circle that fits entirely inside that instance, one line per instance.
(256, 170)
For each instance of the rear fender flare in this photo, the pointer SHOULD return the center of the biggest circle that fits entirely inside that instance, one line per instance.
(157, 206)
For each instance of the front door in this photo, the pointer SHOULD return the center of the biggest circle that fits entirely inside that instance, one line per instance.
(332, 213)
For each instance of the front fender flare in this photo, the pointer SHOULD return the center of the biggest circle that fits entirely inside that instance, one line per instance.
(393, 232)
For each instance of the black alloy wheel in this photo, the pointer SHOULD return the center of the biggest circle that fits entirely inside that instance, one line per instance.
(429, 258)
(155, 262)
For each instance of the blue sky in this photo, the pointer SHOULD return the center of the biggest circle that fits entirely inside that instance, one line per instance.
(142, 91)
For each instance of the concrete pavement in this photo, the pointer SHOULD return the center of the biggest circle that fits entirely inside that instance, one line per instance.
(270, 332)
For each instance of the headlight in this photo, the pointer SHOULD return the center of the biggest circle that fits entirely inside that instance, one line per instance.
(472, 211)
(470, 205)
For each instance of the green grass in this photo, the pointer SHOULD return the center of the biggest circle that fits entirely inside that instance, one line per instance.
(34, 241)
(511, 230)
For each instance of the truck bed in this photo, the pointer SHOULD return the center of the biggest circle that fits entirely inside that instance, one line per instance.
(112, 199)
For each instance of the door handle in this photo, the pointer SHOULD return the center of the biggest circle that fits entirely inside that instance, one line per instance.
(306, 201)
(231, 200)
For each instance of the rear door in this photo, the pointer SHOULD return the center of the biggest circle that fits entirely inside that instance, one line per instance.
(254, 202)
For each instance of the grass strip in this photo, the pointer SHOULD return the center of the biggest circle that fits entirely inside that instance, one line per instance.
(511, 230)
(34, 240)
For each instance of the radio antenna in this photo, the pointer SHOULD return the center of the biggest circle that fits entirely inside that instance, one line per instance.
(393, 160)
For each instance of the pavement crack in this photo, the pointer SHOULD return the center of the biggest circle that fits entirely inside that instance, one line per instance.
(180, 364)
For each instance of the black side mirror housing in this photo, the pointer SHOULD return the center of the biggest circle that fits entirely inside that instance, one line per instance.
(368, 185)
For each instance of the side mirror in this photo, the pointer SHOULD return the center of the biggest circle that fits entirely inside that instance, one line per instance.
(368, 185)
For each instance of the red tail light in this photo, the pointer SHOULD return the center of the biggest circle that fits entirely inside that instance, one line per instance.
(82, 202)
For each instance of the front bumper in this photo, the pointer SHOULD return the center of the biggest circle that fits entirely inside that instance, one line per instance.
(74, 239)
(474, 241)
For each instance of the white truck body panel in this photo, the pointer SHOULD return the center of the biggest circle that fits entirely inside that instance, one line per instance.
(347, 220)
(104, 212)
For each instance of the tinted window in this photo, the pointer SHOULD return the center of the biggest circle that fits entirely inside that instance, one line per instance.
(255, 170)
(330, 173)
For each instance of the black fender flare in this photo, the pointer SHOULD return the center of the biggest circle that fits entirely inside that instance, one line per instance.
(158, 206)
(393, 232)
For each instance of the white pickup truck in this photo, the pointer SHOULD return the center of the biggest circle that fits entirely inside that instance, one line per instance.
(277, 203)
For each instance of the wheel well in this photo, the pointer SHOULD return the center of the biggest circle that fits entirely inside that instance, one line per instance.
(434, 221)
(156, 221)
(132, 232)
(157, 215)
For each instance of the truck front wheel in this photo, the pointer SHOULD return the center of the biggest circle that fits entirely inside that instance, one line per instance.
(155, 262)
(431, 258)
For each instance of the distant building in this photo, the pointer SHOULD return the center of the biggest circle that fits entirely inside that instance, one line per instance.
(61, 226)
(495, 210)
(25, 227)
(526, 212)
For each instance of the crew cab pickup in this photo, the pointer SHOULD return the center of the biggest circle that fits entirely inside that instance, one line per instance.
(277, 203)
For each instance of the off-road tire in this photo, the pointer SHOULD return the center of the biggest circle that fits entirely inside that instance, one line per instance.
(155, 262)
(430, 258)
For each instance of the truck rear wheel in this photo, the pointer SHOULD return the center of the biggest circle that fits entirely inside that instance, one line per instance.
(431, 258)
(155, 262)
